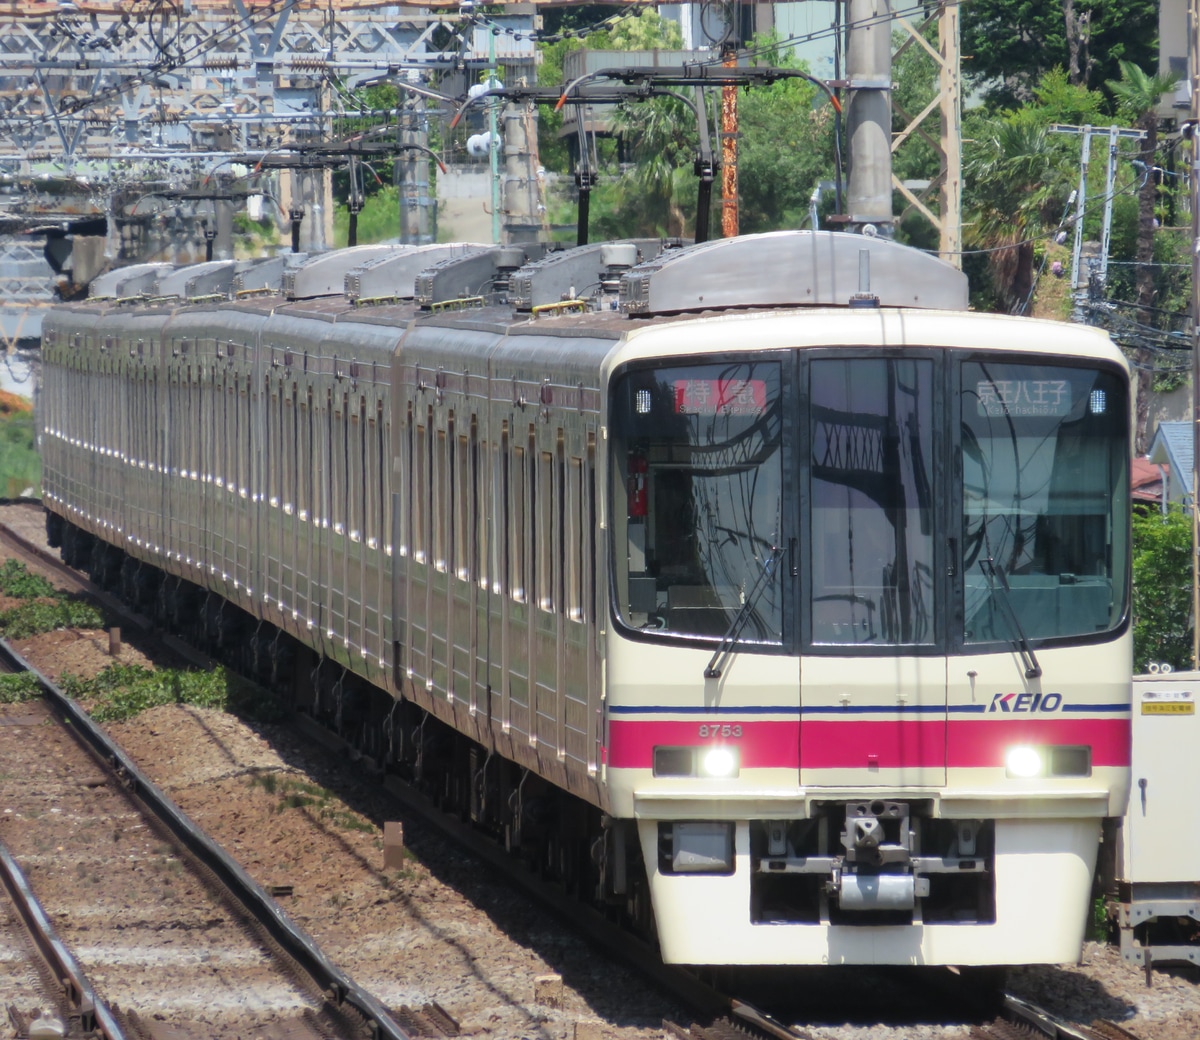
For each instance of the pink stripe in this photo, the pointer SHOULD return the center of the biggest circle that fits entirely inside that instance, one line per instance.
(981, 742)
(762, 745)
(912, 744)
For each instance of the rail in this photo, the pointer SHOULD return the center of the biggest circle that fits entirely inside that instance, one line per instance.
(94, 1016)
(339, 990)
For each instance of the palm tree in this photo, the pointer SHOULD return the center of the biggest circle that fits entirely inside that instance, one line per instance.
(1018, 178)
(664, 142)
(1138, 93)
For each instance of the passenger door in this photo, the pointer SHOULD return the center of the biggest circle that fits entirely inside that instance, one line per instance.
(873, 673)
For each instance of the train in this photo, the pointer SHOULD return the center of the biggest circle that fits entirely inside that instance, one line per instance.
(757, 590)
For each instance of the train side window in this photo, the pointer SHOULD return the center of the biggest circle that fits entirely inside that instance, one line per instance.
(288, 447)
(530, 517)
(547, 525)
(463, 520)
(304, 469)
(442, 507)
(233, 414)
(483, 481)
(517, 503)
(372, 460)
(420, 491)
(335, 503)
(573, 535)
(271, 450)
(228, 423)
(385, 471)
(404, 479)
(589, 529)
(501, 529)
(358, 484)
(245, 430)
(561, 522)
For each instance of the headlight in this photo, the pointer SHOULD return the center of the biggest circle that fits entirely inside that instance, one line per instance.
(1023, 762)
(719, 762)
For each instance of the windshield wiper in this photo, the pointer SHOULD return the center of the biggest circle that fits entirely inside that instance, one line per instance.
(730, 639)
(1032, 669)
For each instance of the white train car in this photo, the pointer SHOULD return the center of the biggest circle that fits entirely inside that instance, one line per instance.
(764, 592)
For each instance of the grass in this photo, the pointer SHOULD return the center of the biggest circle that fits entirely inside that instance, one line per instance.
(18, 582)
(36, 616)
(121, 691)
(378, 221)
(19, 687)
(20, 464)
(300, 794)
(44, 609)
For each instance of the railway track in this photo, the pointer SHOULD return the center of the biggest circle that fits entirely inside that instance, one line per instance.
(719, 1017)
(43, 987)
(163, 922)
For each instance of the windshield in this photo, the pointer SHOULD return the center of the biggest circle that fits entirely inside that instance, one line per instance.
(863, 499)
(1044, 458)
(872, 500)
(698, 499)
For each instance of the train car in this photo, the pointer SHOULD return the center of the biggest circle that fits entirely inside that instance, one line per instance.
(756, 589)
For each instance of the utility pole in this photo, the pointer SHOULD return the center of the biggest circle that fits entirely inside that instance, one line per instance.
(869, 115)
(729, 150)
(1079, 280)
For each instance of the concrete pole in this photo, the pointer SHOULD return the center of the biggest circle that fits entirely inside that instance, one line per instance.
(413, 169)
(223, 244)
(869, 114)
(524, 208)
(950, 108)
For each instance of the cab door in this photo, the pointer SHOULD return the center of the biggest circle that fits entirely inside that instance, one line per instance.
(873, 670)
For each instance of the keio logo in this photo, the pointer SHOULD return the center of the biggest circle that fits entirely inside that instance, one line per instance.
(1026, 703)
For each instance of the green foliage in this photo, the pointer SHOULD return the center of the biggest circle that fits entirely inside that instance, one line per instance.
(553, 152)
(46, 608)
(122, 691)
(20, 464)
(19, 686)
(253, 234)
(294, 793)
(644, 31)
(1100, 926)
(37, 616)
(17, 581)
(378, 221)
(786, 149)
(1162, 589)
(1009, 45)
(1058, 100)
(1137, 92)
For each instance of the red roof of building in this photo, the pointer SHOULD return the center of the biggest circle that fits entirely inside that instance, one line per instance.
(1147, 480)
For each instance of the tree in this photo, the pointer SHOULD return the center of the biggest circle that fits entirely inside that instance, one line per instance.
(1162, 589)
(1138, 94)
(1012, 43)
(1018, 177)
(786, 149)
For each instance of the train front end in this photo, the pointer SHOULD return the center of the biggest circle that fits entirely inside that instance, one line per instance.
(868, 672)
